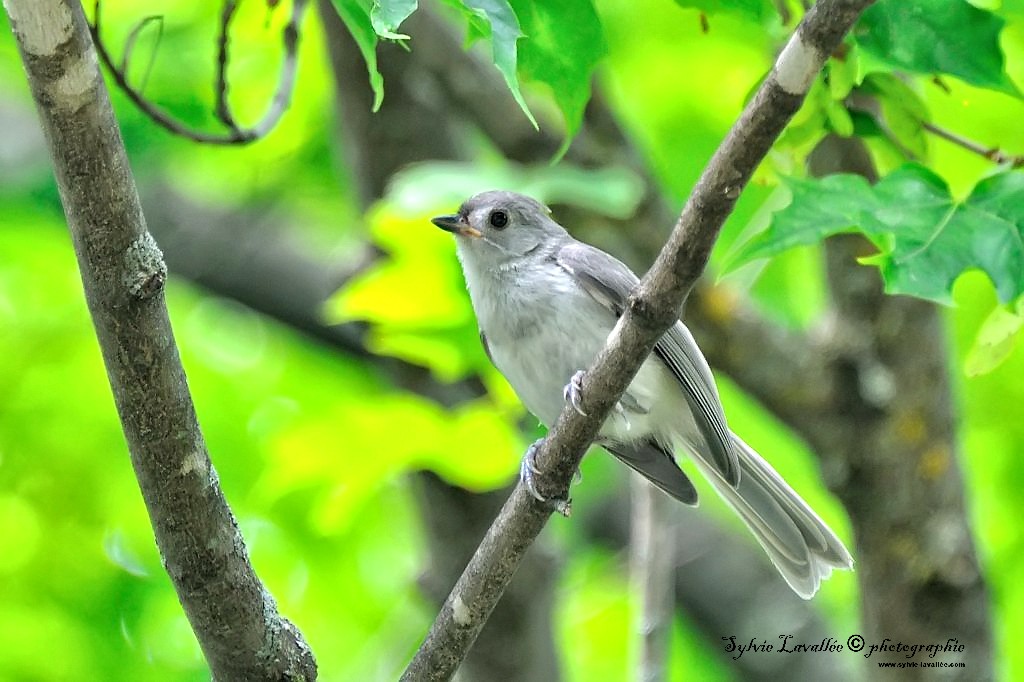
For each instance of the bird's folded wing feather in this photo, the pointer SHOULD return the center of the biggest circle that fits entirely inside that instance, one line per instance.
(656, 464)
(610, 282)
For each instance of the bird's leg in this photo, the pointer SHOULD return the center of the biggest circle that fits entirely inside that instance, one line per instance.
(572, 391)
(528, 470)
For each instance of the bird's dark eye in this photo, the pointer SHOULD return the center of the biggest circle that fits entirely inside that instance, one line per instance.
(498, 219)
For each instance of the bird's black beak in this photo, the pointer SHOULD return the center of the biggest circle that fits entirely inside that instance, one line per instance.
(455, 224)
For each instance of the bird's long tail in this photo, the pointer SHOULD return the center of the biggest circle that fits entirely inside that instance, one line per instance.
(802, 547)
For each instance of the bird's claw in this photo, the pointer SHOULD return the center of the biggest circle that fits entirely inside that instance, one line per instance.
(527, 472)
(573, 392)
(528, 469)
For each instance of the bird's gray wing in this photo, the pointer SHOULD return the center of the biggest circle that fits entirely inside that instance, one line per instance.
(609, 282)
(656, 464)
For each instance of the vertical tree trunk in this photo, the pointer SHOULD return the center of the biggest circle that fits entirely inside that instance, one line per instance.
(123, 273)
(894, 436)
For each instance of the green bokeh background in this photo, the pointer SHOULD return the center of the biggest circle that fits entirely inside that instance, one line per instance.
(303, 437)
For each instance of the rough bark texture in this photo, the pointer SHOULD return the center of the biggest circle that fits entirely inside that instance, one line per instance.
(652, 308)
(896, 440)
(234, 617)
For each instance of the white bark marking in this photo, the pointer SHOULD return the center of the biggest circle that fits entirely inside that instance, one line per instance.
(144, 267)
(76, 86)
(460, 612)
(797, 66)
(41, 26)
(195, 462)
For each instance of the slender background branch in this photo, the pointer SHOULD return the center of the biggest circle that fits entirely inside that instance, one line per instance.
(233, 615)
(653, 555)
(993, 154)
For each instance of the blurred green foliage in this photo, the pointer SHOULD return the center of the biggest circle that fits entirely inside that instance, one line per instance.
(304, 437)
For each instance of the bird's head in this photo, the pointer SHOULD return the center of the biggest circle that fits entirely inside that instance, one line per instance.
(496, 227)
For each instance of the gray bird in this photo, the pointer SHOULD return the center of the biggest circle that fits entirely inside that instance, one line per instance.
(546, 303)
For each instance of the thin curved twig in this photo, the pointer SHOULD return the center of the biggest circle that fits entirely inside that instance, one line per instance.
(993, 154)
(223, 109)
(236, 134)
(133, 36)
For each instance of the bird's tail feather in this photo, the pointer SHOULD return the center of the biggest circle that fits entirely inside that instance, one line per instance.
(802, 547)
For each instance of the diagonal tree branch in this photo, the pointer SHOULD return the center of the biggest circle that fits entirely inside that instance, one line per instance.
(233, 615)
(652, 308)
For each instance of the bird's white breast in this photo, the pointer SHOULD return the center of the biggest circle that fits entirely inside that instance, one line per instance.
(541, 327)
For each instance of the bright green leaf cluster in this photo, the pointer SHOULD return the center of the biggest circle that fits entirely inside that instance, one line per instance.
(614, 191)
(902, 114)
(561, 57)
(937, 36)
(414, 298)
(504, 31)
(557, 44)
(357, 15)
(868, 86)
(926, 238)
(387, 16)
